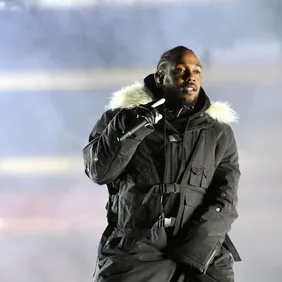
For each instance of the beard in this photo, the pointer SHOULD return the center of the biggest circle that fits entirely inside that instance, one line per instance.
(177, 97)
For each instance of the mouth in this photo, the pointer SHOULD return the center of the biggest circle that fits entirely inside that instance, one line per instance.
(191, 88)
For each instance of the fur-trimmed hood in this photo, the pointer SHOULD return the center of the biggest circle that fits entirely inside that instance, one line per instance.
(138, 94)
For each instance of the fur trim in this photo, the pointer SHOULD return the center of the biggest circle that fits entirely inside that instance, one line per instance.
(222, 112)
(138, 94)
(130, 96)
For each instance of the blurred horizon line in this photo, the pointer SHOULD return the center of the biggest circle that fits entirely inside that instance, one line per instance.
(76, 4)
(63, 165)
(89, 79)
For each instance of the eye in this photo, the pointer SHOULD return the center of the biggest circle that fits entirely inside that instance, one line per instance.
(197, 72)
(179, 70)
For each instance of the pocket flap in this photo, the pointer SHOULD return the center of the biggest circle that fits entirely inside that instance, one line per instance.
(206, 172)
(197, 170)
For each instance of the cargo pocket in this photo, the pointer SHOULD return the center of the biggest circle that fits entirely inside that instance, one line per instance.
(205, 180)
(191, 202)
(198, 177)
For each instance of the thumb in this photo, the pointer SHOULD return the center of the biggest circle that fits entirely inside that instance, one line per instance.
(158, 117)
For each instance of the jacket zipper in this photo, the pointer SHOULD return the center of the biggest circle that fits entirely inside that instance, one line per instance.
(205, 268)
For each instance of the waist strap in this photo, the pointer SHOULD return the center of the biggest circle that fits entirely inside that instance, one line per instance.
(164, 189)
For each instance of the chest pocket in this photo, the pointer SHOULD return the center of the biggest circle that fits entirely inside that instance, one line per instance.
(198, 176)
(198, 172)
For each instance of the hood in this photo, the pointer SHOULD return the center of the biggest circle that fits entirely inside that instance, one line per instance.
(138, 94)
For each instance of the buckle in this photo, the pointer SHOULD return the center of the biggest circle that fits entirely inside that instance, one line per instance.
(166, 222)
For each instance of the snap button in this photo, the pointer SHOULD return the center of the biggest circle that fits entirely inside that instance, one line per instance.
(223, 194)
(95, 159)
(218, 209)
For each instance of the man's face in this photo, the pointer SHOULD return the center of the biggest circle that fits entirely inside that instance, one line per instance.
(182, 81)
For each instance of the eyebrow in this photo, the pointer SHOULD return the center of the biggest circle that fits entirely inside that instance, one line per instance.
(197, 65)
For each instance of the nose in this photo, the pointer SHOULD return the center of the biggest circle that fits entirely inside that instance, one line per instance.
(188, 76)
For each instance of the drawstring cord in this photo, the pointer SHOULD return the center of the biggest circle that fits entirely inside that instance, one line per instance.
(165, 147)
(182, 161)
(163, 206)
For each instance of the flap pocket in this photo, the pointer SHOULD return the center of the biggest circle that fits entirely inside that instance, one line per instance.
(196, 170)
(198, 177)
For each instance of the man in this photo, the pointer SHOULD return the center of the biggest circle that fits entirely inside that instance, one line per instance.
(172, 184)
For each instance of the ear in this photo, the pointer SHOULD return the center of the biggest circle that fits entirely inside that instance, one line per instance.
(158, 76)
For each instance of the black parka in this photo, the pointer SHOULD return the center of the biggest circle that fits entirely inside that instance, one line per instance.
(172, 189)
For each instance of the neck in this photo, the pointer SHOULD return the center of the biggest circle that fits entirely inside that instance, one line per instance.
(180, 107)
(186, 109)
(180, 111)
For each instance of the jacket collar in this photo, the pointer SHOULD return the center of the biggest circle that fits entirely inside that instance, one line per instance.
(138, 94)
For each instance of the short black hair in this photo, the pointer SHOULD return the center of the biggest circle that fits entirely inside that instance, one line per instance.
(169, 56)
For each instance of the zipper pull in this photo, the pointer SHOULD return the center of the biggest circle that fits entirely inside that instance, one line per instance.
(205, 268)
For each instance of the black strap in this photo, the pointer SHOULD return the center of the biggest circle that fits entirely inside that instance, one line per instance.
(179, 215)
(170, 188)
(162, 189)
(230, 246)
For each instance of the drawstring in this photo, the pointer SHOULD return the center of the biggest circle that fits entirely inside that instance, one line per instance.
(162, 213)
(165, 147)
(183, 161)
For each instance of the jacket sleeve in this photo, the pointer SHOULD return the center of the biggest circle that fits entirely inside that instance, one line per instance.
(105, 157)
(204, 235)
